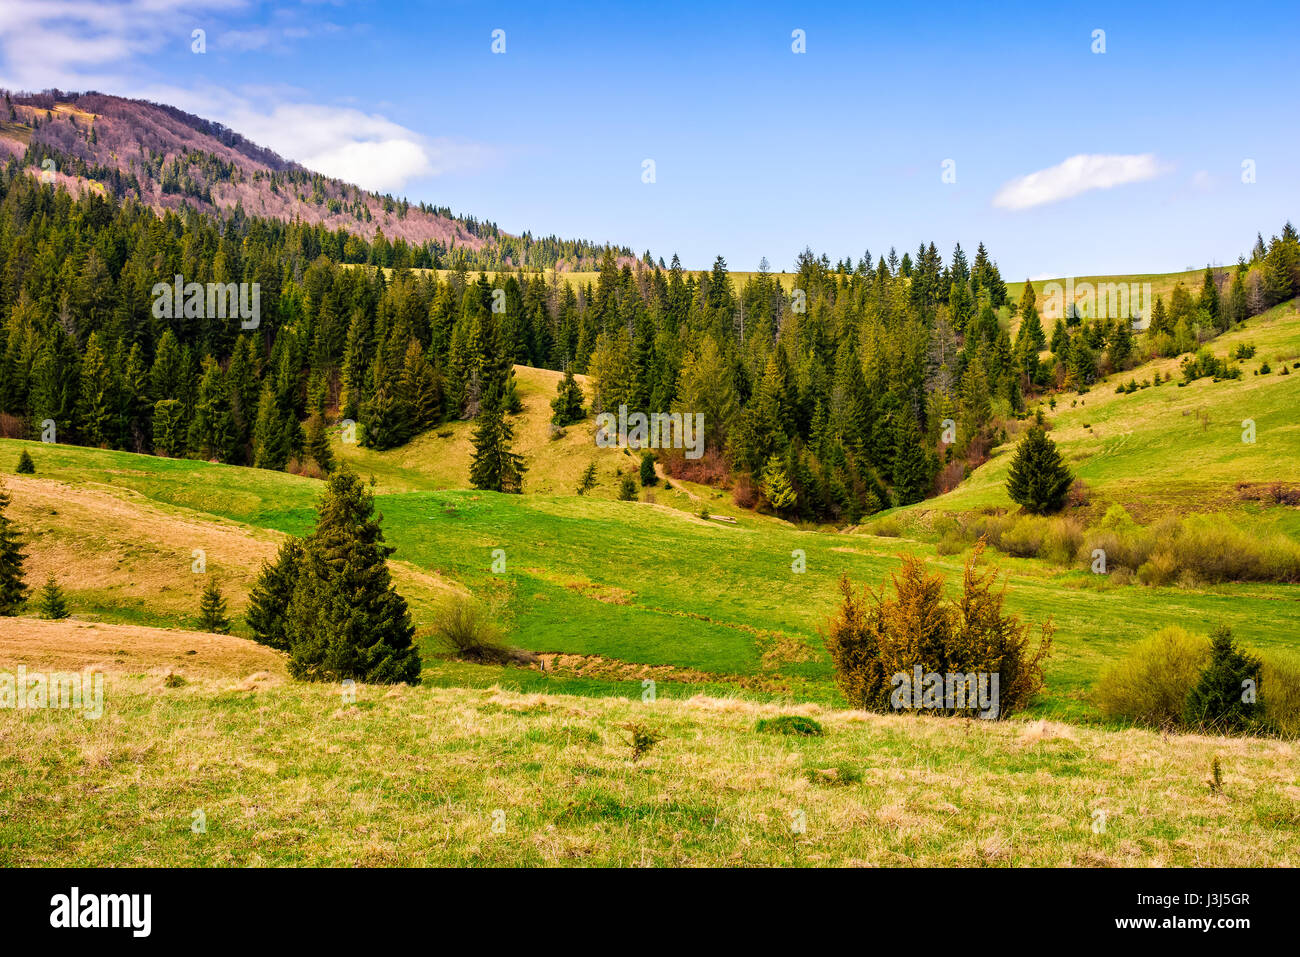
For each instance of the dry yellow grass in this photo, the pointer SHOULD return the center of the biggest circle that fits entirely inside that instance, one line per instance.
(72, 645)
(114, 548)
(286, 773)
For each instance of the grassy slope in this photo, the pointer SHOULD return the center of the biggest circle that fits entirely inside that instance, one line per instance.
(1171, 447)
(1162, 284)
(290, 774)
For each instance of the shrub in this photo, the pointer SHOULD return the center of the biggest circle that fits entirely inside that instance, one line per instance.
(1217, 701)
(1024, 539)
(1160, 569)
(466, 629)
(794, 724)
(888, 527)
(641, 739)
(744, 493)
(25, 464)
(627, 489)
(1218, 552)
(1279, 692)
(1062, 541)
(952, 543)
(842, 774)
(871, 638)
(1149, 685)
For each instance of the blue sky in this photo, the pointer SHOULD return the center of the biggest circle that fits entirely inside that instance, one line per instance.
(1065, 160)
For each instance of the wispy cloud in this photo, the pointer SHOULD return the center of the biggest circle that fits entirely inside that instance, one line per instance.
(1078, 174)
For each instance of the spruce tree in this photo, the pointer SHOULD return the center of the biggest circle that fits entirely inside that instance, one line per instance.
(648, 475)
(1038, 480)
(212, 610)
(13, 588)
(566, 407)
(345, 619)
(52, 603)
(268, 602)
(169, 430)
(588, 480)
(318, 444)
(1219, 702)
(495, 468)
(776, 485)
(25, 464)
(627, 488)
(911, 471)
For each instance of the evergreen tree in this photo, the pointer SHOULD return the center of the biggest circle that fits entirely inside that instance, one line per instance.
(345, 619)
(97, 401)
(212, 610)
(648, 475)
(566, 407)
(1038, 479)
(318, 444)
(169, 427)
(776, 485)
(53, 606)
(271, 438)
(13, 588)
(627, 488)
(25, 464)
(1218, 702)
(588, 480)
(911, 471)
(495, 468)
(268, 602)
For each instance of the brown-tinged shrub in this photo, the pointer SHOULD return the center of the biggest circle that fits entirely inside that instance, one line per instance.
(744, 494)
(13, 426)
(468, 631)
(709, 469)
(873, 638)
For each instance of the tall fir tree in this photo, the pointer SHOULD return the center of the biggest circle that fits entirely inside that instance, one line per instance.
(1038, 479)
(13, 586)
(495, 466)
(345, 618)
(212, 610)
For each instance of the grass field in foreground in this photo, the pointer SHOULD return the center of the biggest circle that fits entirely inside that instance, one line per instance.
(291, 774)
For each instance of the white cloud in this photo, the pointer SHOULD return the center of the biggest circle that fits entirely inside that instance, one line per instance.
(99, 44)
(1078, 174)
(362, 148)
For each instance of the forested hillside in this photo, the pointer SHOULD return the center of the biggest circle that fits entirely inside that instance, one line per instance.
(172, 160)
(858, 388)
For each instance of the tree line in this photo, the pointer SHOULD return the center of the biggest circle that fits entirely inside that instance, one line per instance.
(828, 394)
